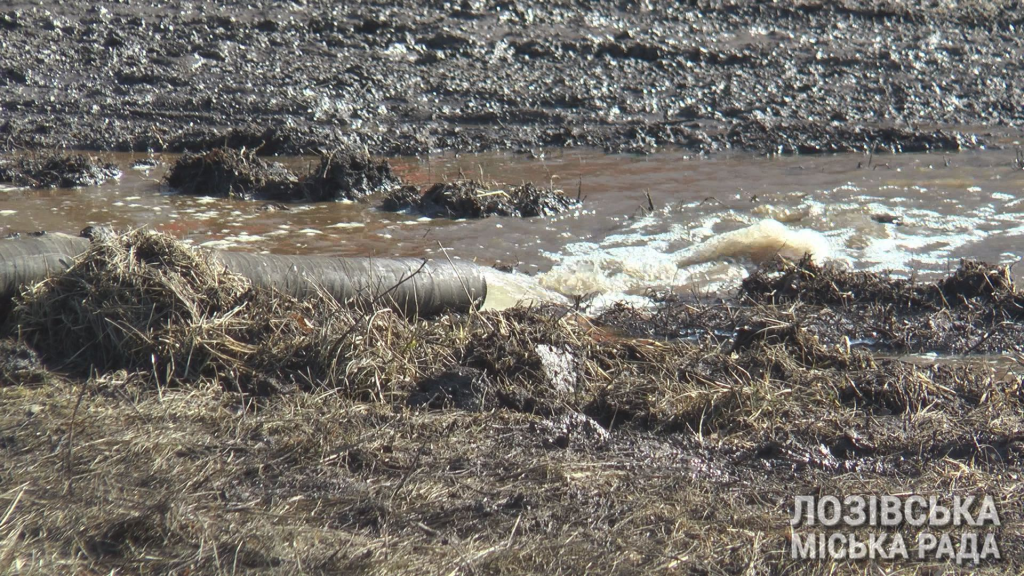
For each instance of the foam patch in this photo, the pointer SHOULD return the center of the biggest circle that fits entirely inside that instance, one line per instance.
(758, 243)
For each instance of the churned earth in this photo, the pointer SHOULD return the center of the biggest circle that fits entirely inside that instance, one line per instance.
(160, 416)
(409, 77)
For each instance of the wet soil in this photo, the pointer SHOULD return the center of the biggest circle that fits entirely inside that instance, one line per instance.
(407, 78)
(56, 170)
(343, 175)
(472, 199)
(975, 310)
(347, 175)
(228, 173)
(241, 174)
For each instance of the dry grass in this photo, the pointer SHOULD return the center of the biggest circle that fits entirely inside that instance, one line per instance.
(623, 455)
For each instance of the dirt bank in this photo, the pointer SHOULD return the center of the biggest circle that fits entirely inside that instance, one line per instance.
(405, 77)
(233, 173)
(976, 310)
(234, 429)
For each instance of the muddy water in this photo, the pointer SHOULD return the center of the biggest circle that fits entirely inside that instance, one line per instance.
(914, 213)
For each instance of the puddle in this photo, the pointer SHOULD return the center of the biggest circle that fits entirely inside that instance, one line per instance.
(662, 220)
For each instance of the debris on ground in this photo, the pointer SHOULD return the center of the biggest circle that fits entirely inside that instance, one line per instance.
(977, 309)
(240, 173)
(57, 170)
(344, 175)
(473, 199)
(230, 173)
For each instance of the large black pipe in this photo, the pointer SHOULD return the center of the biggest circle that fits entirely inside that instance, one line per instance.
(411, 285)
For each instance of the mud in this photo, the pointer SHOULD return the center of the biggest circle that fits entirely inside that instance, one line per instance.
(461, 388)
(473, 199)
(407, 78)
(347, 175)
(57, 171)
(230, 173)
(975, 310)
(240, 173)
(396, 437)
(20, 365)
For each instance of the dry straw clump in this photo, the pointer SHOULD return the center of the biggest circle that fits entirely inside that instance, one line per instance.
(145, 302)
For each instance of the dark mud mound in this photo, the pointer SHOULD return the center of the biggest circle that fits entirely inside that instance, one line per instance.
(465, 199)
(229, 173)
(402, 198)
(344, 175)
(975, 310)
(58, 171)
(976, 282)
(473, 199)
(783, 281)
(530, 201)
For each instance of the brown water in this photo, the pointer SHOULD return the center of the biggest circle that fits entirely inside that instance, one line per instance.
(949, 206)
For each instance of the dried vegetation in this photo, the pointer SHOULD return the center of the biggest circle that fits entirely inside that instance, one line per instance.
(176, 420)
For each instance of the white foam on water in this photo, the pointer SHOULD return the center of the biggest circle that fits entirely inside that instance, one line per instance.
(245, 237)
(759, 243)
(638, 258)
(586, 268)
(505, 290)
(218, 244)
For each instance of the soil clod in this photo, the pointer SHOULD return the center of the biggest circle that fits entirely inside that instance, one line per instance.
(229, 173)
(344, 175)
(473, 199)
(240, 173)
(57, 171)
